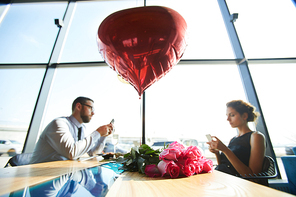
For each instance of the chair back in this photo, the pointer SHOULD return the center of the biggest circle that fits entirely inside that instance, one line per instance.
(19, 159)
(268, 172)
(289, 163)
(268, 168)
(294, 150)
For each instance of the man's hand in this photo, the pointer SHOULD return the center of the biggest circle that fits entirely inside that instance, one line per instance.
(106, 130)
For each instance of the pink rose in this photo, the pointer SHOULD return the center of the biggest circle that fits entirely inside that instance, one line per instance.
(170, 154)
(152, 171)
(208, 165)
(192, 152)
(203, 165)
(177, 145)
(198, 166)
(187, 167)
(167, 167)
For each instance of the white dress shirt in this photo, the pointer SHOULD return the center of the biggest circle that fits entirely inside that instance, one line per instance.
(59, 141)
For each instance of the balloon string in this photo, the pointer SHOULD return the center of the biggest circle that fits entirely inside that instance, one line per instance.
(142, 118)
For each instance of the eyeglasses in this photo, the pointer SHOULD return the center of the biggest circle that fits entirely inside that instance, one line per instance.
(91, 107)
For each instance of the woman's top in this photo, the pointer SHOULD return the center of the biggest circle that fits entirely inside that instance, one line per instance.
(241, 147)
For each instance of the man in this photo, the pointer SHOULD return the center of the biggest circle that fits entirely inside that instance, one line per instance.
(64, 139)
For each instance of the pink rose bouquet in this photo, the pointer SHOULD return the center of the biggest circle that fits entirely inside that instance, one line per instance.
(176, 160)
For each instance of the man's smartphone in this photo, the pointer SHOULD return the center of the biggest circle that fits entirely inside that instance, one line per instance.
(112, 121)
(209, 137)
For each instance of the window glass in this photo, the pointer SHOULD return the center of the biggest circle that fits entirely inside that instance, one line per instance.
(266, 28)
(277, 100)
(3, 8)
(81, 44)
(112, 99)
(28, 32)
(207, 36)
(19, 89)
(190, 102)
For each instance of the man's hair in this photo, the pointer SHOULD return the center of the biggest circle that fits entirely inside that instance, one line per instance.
(81, 100)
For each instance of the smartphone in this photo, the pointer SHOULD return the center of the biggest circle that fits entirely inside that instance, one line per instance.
(209, 137)
(112, 121)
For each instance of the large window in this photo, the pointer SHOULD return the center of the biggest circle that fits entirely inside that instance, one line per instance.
(28, 32)
(112, 99)
(274, 85)
(207, 36)
(81, 45)
(266, 28)
(190, 102)
(19, 90)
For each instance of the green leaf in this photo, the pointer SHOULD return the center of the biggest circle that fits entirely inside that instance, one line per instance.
(154, 160)
(141, 150)
(122, 160)
(127, 155)
(141, 165)
(129, 162)
(145, 156)
(139, 157)
(149, 152)
(145, 147)
(134, 152)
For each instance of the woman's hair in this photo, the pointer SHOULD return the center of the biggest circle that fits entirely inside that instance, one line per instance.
(243, 107)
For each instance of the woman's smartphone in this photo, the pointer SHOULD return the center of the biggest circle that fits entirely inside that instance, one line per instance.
(209, 137)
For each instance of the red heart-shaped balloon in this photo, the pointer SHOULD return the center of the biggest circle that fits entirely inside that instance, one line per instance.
(142, 44)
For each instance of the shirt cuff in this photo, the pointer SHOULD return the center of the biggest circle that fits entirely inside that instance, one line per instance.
(95, 136)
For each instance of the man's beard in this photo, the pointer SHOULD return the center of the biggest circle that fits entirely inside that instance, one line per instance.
(85, 118)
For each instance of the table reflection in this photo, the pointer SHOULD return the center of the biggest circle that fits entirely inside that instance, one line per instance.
(94, 181)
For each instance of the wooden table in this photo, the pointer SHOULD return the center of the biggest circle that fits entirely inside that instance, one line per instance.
(135, 184)
(16, 178)
(210, 184)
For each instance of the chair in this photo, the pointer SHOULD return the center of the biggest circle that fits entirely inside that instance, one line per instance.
(294, 150)
(268, 171)
(19, 160)
(289, 163)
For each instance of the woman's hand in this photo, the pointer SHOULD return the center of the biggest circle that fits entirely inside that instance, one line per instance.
(215, 151)
(216, 145)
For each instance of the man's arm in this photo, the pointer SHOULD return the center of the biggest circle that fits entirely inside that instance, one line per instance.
(104, 131)
(61, 140)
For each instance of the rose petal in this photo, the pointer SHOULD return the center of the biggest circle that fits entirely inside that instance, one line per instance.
(192, 152)
(187, 167)
(198, 166)
(170, 154)
(208, 166)
(152, 170)
(177, 145)
(167, 167)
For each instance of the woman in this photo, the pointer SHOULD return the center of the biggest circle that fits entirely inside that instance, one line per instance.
(245, 152)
